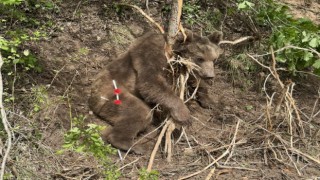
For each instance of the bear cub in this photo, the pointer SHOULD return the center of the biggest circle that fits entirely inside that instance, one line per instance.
(122, 93)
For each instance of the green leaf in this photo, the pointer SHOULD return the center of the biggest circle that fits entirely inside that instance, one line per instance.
(10, 2)
(242, 5)
(281, 59)
(250, 4)
(314, 42)
(306, 37)
(67, 146)
(13, 50)
(304, 33)
(75, 130)
(245, 4)
(15, 61)
(249, 107)
(92, 126)
(60, 151)
(317, 64)
(26, 52)
(80, 148)
(307, 56)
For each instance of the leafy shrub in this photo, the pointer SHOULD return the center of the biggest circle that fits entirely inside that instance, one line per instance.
(288, 31)
(10, 2)
(191, 12)
(84, 138)
(17, 17)
(14, 53)
(145, 175)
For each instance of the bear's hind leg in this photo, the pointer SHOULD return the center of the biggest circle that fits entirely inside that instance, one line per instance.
(135, 117)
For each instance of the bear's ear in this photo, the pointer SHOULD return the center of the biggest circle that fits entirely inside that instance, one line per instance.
(190, 36)
(215, 37)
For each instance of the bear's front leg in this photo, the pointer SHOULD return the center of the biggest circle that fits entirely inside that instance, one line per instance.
(204, 98)
(155, 89)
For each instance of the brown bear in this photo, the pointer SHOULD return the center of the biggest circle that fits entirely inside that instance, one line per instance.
(123, 91)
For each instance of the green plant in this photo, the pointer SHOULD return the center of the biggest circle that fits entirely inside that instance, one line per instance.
(21, 22)
(245, 5)
(193, 13)
(10, 2)
(83, 138)
(190, 12)
(86, 138)
(145, 175)
(241, 69)
(77, 56)
(14, 53)
(111, 172)
(302, 35)
(40, 97)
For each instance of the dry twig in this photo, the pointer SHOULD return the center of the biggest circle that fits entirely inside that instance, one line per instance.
(5, 124)
(231, 146)
(233, 142)
(146, 16)
(237, 41)
(290, 47)
(210, 174)
(169, 125)
(291, 109)
(208, 166)
(128, 164)
(156, 147)
(292, 149)
(168, 143)
(146, 135)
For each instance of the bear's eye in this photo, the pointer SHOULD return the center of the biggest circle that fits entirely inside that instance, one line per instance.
(200, 60)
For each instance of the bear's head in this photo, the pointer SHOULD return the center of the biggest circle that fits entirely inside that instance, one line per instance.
(203, 51)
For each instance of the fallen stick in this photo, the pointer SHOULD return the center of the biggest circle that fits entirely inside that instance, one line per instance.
(124, 157)
(208, 166)
(210, 174)
(5, 124)
(233, 142)
(169, 131)
(156, 147)
(231, 145)
(292, 149)
(237, 41)
(128, 164)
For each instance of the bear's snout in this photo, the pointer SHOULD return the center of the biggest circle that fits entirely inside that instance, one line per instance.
(207, 70)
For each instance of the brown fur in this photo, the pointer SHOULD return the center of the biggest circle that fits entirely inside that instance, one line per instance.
(141, 75)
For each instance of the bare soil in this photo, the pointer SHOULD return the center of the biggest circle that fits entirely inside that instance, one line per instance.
(88, 37)
(304, 9)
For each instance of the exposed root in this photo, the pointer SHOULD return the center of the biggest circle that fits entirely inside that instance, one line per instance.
(146, 16)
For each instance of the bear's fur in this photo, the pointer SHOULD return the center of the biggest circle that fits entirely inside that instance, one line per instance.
(141, 75)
